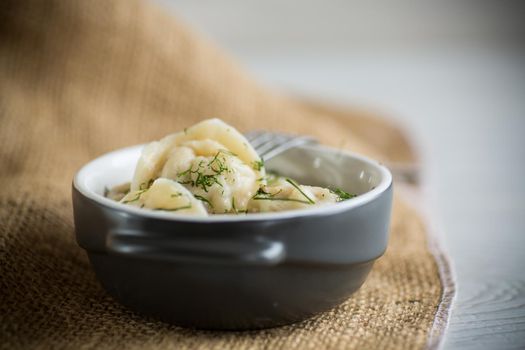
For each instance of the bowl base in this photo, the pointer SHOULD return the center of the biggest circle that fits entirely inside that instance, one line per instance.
(227, 297)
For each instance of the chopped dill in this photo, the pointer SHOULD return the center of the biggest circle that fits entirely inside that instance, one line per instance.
(175, 195)
(217, 165)
(146, 185)
(294, 184)
(262, 195)
(261, 192)
(174, 209)
(137, 196)
(342, 195)
(233, 205)
(224, 151)
(201, 198)
(258, 164)
(206, 181)
(235, 210)
(280, 199)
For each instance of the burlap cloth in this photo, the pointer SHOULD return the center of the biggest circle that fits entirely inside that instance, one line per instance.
(78, 79)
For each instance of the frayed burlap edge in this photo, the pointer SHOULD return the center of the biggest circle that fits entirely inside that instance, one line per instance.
(448, 282)
(414, 195)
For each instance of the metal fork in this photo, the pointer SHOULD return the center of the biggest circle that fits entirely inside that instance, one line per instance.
(268, 144)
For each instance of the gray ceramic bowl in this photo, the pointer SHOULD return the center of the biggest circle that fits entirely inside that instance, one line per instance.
(236, 272)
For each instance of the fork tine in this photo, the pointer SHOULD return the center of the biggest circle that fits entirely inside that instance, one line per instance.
(253, 135)
(261, 139)
(292, 142)
(269, 144)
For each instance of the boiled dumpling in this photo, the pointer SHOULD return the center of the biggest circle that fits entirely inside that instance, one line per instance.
(167, 195)
(213, 174)
(155, 154)
(210, 168)
(286, 194)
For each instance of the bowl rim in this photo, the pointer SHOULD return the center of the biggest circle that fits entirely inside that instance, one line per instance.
(325, 210)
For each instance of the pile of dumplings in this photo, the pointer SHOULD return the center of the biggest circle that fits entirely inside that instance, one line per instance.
(210, 168)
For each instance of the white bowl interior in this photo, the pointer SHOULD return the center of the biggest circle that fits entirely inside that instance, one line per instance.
(326, 167)
(109, 170)
(309, 165)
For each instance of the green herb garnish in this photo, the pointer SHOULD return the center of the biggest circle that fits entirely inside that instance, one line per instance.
(174, 209)
(137, 196)
(201, 198)
(217, 164)
(204, 181)
(342, 195)
(146, 185)
(235, 210)
(262, 195)
(258, 164)
(279, 199)
(233, 205)
(294, 184)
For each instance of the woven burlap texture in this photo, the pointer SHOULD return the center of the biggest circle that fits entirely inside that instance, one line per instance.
(78, 79)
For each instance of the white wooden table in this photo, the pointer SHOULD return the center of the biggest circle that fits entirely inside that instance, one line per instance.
(465, 106)
(468, 113)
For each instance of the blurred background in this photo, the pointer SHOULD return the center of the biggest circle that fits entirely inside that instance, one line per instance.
(453, 74)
